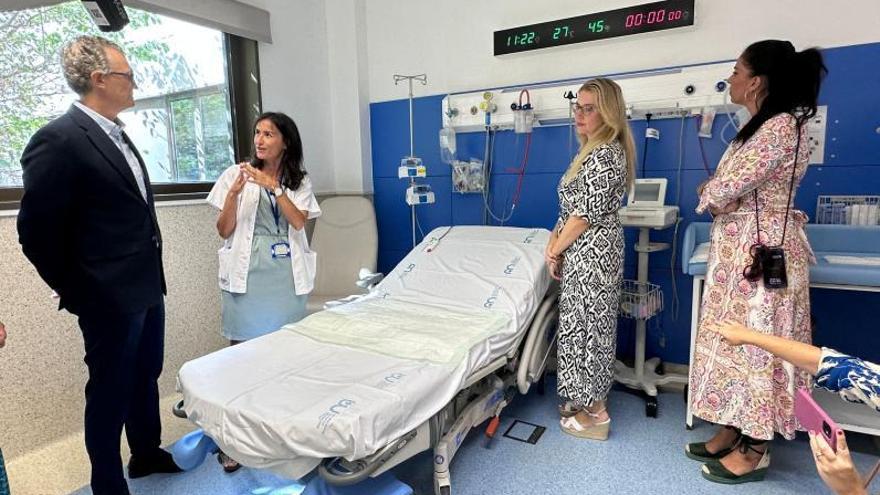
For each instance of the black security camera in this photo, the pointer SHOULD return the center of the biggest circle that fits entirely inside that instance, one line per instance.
(109, 15)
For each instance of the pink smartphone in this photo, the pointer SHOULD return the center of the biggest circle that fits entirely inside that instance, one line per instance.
(814, 418)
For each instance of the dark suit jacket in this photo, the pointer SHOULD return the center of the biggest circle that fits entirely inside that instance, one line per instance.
(83, 222)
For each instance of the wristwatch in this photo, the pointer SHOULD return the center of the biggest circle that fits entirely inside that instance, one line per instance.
(278, 191)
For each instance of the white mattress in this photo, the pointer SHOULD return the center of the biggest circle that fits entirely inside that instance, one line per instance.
(347, 381)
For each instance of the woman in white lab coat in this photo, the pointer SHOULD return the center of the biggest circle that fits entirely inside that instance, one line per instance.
(266, 267)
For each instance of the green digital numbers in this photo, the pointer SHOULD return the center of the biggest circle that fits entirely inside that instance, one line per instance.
(561, 32)
(526, 38)
(596, 26)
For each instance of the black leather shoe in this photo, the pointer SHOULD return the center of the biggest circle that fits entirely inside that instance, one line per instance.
(159, 462)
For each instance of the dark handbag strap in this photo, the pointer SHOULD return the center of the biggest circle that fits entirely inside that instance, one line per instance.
(797, 149)
(871, 475)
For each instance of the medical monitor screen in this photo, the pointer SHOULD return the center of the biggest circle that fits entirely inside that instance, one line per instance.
(647, 193)
(644, 18)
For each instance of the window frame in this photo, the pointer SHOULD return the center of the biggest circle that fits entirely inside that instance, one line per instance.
(245, 104)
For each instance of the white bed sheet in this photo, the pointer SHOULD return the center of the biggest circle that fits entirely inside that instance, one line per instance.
(289, 399)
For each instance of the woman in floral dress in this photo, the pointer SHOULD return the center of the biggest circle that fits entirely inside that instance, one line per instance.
(745, 390)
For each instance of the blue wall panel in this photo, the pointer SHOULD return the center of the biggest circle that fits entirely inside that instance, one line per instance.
(852, 166)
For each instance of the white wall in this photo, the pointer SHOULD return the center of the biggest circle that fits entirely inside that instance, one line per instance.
(315, 70)
(349, 95)
(295, 80)
(451, 41)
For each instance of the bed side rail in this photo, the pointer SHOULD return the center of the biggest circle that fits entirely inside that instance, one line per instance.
(338, 471)
(539, 343)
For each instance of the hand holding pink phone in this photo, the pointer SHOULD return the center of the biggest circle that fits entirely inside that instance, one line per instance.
(814, 419)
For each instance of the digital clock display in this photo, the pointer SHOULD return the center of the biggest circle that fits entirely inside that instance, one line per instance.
(645, 18)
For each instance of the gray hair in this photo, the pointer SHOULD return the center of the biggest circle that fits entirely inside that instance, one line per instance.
(81, 57)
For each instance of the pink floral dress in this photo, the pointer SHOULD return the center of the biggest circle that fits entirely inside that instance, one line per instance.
(744, 386)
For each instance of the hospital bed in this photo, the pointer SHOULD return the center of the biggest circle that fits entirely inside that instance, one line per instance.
(439, 346)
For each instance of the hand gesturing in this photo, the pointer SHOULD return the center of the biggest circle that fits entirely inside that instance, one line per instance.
(259, 177)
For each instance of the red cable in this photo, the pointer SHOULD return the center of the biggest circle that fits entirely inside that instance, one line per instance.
(522, 171)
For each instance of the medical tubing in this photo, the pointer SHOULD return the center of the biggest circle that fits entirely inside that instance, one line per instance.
(418, 224)
(729, 123)
(487, 211)
(672, 258)
(680, 158)
(485, 179)
(487, 208)
(528, 98)
(522, 172)
(525, 160)
(675, 300)
(702, 150)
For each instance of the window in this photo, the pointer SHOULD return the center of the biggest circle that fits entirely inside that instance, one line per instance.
(182, 121)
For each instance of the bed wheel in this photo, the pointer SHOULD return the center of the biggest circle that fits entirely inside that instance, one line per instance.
(651, 407)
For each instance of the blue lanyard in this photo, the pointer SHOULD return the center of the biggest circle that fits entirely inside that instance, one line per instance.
(275, 212)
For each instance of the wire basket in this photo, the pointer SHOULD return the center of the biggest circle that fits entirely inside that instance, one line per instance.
(640, 300)
(848, 210)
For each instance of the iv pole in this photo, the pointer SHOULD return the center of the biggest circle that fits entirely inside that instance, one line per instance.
(422, 78)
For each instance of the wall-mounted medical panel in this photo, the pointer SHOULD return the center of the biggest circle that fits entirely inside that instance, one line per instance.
(664, 93)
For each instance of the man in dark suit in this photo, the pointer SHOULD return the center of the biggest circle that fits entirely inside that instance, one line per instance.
(88, 224)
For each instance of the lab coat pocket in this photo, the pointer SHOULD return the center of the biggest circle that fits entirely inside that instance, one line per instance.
(311, 265)
(224, 256)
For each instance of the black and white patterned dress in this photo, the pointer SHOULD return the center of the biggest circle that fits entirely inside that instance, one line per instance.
(592, 273)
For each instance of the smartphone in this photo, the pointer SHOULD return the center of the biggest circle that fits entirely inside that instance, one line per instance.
(814, 418)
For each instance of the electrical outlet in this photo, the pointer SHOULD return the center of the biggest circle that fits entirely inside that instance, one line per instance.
(816, 135)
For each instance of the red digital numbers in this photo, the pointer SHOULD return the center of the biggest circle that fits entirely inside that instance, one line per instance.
(652, 17)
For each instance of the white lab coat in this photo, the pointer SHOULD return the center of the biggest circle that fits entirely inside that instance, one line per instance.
(235, 254)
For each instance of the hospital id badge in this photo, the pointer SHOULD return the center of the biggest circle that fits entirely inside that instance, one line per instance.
(281, 250)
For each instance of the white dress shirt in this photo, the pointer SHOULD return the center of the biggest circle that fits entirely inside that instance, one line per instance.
(115, 131)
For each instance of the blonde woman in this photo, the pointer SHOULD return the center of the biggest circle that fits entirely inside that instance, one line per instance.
(585, 252)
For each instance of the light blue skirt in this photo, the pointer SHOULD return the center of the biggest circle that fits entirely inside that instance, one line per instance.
(4, 483)
(270, 301)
